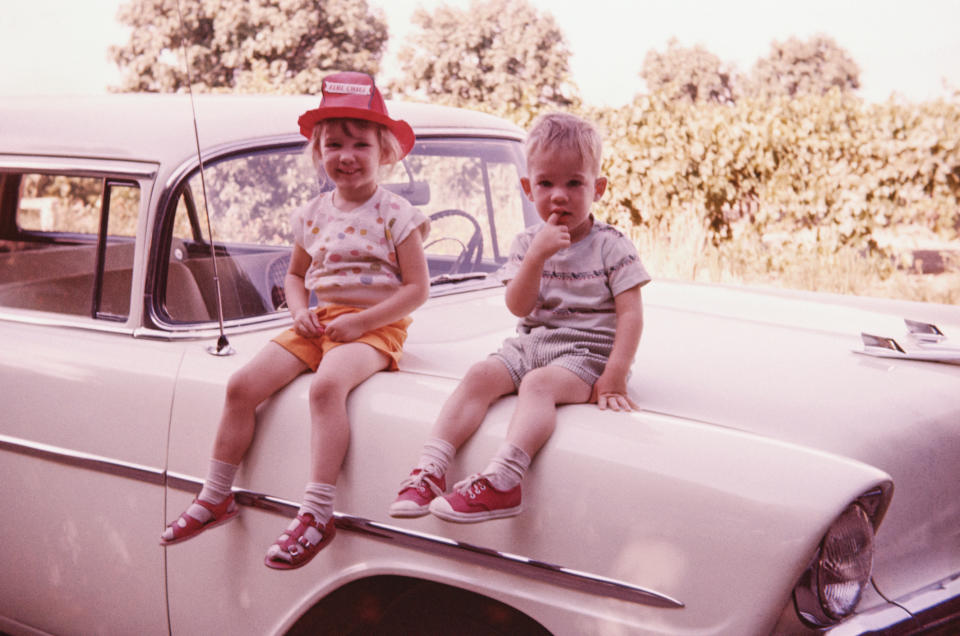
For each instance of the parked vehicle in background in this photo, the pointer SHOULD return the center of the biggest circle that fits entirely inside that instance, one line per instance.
(784, 474)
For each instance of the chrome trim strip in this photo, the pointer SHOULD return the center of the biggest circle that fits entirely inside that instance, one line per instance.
(83, 460)
(503, 561)
(63, 321)
(78, 165)
(205, 330)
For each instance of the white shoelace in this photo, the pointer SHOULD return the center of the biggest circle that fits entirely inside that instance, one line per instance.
(463, 486)
(417, 481)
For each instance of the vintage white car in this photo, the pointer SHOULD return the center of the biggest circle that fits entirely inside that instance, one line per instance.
(785, 474)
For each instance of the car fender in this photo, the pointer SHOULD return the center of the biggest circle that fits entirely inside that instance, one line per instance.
(704, 514)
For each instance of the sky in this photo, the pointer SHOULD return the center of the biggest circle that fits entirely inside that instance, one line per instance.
(59, 47)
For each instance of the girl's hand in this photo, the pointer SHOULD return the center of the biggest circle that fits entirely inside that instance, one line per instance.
(346, 328)
(551, 238)
(306, 324)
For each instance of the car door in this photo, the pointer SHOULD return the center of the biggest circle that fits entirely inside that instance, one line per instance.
(86, 404)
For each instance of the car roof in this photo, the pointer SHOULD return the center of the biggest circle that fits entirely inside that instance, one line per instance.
(159, 127)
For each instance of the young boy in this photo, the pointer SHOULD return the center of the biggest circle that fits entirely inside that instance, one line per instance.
(575, 285)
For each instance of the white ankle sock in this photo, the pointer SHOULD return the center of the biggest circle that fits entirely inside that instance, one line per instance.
(216, 488)
(318, 501)
(219, 481)
(436, 456)
(508, 466)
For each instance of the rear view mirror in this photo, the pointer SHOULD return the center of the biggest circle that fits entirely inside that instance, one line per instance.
(416, 192)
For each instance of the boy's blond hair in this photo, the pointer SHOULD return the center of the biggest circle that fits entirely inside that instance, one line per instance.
(563, 131)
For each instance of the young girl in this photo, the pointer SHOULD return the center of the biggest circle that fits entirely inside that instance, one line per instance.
(359, 249)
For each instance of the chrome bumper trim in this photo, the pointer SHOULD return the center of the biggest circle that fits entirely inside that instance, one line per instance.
(503, 561)
(934, 607)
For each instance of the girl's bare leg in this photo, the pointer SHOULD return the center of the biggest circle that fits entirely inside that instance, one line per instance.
(269, 371)
(341, 370)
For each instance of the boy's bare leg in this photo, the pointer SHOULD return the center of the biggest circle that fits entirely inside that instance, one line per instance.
(535, 417)
(460, 416)
(463, 412)
(340, 371)
(269, 371)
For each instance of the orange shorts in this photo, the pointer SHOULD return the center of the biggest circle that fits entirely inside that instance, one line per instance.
(387, 339)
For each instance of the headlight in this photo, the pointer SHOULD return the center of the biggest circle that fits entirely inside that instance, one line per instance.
(831, 587)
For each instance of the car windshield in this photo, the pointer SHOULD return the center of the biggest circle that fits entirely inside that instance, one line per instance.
(469, 187)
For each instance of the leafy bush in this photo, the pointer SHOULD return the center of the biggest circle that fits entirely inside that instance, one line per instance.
(757, 186)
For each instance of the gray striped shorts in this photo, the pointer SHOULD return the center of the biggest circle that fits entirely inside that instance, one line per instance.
(585, 353)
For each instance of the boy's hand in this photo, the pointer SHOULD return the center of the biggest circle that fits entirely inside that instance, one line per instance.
(306, 323)
(611, 393)
(551, 238)
(616, 402)
(346, 328)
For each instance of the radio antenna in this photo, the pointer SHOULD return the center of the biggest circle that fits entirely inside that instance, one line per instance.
(222, 348)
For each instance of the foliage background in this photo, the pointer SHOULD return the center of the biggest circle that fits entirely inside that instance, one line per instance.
(779, 175)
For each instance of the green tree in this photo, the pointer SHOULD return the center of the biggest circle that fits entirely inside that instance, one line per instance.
(501, 56)
(693, 74)
(804, 67)
(247, 45)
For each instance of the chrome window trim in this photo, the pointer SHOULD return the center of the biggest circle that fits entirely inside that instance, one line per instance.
(78, 165)
(208, 328)
(161, 324)
(166, 207)
(138, 171)
(68, 321)
(515, 564)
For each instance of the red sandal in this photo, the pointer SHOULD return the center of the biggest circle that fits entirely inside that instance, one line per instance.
(187, 527)
(303, 539)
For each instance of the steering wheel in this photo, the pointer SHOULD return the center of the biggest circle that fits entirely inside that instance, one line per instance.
(471, 251)
(275, 274)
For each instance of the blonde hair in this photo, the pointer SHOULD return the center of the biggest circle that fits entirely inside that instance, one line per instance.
(554, 132)
(390, 150)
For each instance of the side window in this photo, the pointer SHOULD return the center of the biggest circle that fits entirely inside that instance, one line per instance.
(474, 200)
(468, 187)
(70, 247)
(251, 197)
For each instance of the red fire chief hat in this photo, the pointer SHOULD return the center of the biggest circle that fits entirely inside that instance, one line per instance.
(354, 95)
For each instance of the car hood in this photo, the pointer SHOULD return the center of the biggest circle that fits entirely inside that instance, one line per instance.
(780, 367)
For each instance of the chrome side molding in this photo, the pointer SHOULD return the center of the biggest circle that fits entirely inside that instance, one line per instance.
(511, 563)
(518, 565)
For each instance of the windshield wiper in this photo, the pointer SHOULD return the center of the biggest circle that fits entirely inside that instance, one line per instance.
(444, 279)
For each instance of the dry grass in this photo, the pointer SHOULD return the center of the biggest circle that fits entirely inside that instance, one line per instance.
(683, 251)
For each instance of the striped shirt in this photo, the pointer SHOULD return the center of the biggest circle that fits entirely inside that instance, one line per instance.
(580, 282)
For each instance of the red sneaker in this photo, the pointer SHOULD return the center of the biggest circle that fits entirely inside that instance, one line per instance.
(475, 499)
(416, 493)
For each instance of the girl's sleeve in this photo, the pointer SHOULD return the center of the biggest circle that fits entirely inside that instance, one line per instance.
(625, 270)
(404, 218)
